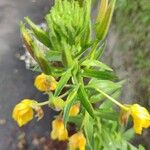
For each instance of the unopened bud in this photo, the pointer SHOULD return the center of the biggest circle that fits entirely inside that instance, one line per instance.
(57, 104)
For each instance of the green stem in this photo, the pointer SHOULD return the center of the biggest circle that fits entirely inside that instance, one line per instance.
(63, 95)
(113, 100)
(43, 103)
(69, 85)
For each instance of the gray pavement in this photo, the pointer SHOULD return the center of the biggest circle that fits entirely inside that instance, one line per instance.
(16, 82)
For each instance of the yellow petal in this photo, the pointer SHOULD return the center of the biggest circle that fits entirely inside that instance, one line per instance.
(74, 110)
(45, 82)
(23, 112)
(77, 141)
(58, 130)
(141, 117)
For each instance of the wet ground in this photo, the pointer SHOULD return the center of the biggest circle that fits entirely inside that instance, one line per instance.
(16, 82)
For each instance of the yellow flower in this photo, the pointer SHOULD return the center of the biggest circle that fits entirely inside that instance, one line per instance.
(77, 141)
(23, 112)
(141, 118)
(74, 110)
(45, 83)
(58, 130)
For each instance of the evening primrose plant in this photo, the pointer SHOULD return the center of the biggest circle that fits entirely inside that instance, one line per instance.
(81, 88)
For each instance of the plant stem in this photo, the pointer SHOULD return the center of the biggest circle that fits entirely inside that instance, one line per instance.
(69, 85)
(113, 100)
(43, 103)
(63, 95)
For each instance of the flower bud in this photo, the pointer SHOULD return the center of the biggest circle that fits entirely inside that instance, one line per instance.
(74, 110)
(45, 83)
(77, 141)
(57, 104)
(58, 130)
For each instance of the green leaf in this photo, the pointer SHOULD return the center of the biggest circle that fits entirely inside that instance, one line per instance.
(53, 55)
(91, 53)
(131, 147)
(99, 97)
(69, 22)
(86, 22)
(63, 80)
(41, 60)
(70, 100)
(141, 147)
(88, 129)
(27, 39)
(99, 51)
(105, 75)
(97, 141)
(76, 120)
(107, 114)
(108, 87)
(85, 101)
(96, 63)
(106, 105)
(108, 141)
(102, 10)
(102, 27)
(40, 34)
(66, 55)
(129, 134)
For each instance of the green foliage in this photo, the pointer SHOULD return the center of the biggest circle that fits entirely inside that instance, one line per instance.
(69, 102)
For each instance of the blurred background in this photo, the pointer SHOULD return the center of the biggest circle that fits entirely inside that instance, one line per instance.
(127, 52)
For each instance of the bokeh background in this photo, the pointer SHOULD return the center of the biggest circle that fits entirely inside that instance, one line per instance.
(128, 52)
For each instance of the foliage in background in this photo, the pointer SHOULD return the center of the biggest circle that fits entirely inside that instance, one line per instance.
(132, 22)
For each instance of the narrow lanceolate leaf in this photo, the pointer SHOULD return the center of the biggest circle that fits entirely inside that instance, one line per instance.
(53, 55)
(34, 51)
(63, 80)
(102, 28)
(27, 39)
(70, 100)
(66, 55)
(87, 24)
(99, 51)
(107, 114)
(40, 34)
(102, 10)
(88, 129)
(41, 60)
(96, 63)
(104, 75)
(85, 101)
(108, 87)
